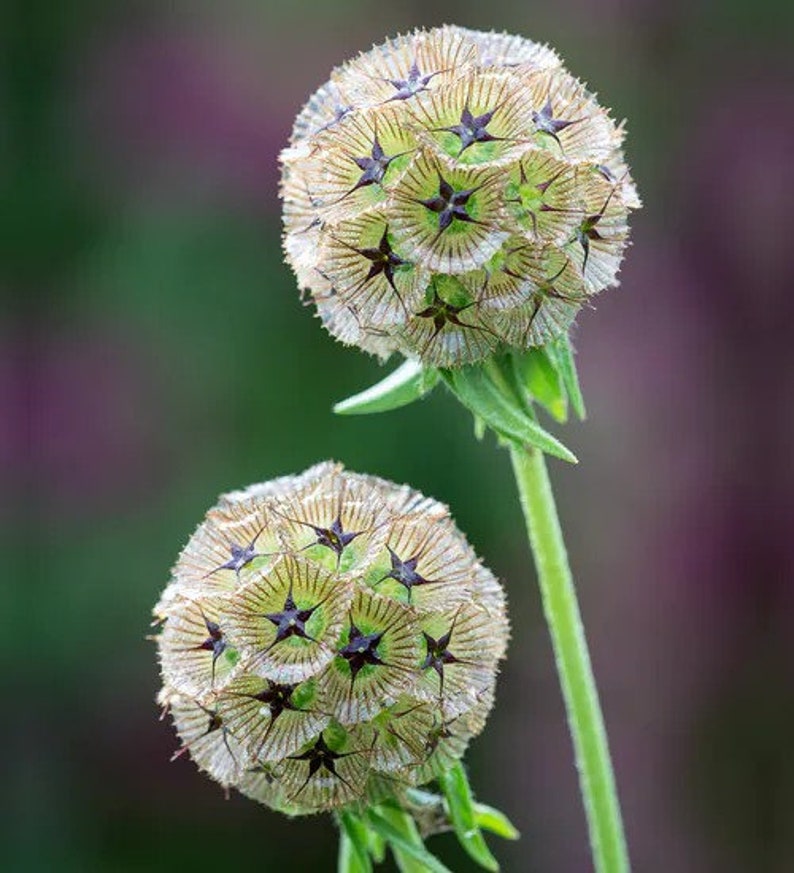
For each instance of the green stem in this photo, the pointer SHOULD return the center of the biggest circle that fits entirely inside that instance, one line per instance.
(586, 723)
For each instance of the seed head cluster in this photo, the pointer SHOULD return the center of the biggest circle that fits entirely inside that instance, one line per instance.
(452, 191)
(327, 639)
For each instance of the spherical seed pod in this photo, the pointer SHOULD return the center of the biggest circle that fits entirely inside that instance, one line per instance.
(452, 192)
(328, 639)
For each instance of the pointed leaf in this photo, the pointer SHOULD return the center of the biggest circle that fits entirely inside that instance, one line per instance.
(486, 817)
(455, 785)
(406, 843)
(566, 366)
(409, 382)
(475, 390)
(354, 829)
(377, 846)
(537, 371)
(495, 821)
(348, 859)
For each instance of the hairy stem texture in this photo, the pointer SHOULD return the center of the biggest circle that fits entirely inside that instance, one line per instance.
(585, 720)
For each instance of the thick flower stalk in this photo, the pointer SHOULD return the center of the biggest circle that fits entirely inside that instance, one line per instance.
(452, 193)
(328, 641)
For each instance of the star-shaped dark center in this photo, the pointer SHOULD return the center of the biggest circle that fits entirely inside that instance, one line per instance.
(587, 231)
(240, 557)
(438, 654)
(472, 129)
(545, 122)
(442, 313)
(277, 697)
(214, 723)
(291, 621)
(531, 197)
(214, 643)
(413, 84)
(383, 259)
(449, 204)
(340, 112)
(361, 650)
(320, 757)
(405, 573)
(373, 166)
(335, 537)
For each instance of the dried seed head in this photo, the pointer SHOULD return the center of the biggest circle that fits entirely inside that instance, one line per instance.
(328, 639)
(452, 191)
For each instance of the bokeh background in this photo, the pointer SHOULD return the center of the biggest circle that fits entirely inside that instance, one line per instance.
(154, 353)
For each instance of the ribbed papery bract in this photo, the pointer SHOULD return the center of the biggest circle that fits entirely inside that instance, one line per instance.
(327, 772)
(489, 596)
(358, 159)
(506, 282)
(376, 659)
(442, 115)
(446, 743)
(343, 323)
(379, 283)
(338, 521)
(206, 738)
(306, 682)
(400, 735)
(544, 198)
(235, 539)
(285, 623)
(590, 134)
(271, 720)
(401, 68)
(194, 649)
(453, 323)
(260, 783)
(437, 155)
(507, 50)
(459, 657)
(329, 104)
(557, 297)
(425, 565)
(421, 232)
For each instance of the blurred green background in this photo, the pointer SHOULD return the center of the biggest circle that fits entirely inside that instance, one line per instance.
(154, 353)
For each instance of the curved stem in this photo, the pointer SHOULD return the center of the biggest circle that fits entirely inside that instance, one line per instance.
(586, 723)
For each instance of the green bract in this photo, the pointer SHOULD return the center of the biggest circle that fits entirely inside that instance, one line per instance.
(328, 639)
(450, 193)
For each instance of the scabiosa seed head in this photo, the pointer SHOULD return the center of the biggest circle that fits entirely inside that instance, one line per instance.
(452, 191)
(328, 639)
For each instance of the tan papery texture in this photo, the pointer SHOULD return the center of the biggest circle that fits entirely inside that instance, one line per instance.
(327, 639)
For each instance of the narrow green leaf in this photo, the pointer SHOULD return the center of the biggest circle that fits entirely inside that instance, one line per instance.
(566, 365)
(377, 846)
(538, 373)
(409, 382)
(455, 785)
(354, 829)
(495, 821)
(407, 844)
(480, 395)
(348, 859)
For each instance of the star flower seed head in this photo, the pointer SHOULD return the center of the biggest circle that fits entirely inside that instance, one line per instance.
(328, 639)
(451, 192)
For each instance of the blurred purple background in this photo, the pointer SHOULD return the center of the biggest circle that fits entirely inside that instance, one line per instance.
(154, 353)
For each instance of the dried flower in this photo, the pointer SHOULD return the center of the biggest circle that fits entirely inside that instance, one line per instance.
(450, 192)
(328, 638)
